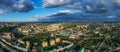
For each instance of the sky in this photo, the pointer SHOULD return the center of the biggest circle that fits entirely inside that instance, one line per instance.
(59, 10)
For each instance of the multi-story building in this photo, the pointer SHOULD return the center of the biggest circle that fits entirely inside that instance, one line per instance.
(52, 42)
(27, 43)
(44, 44)
(74, 37)
(57, 39)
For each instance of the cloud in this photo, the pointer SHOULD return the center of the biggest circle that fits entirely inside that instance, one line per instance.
(87, 10)
(57, 3)
(7, 6)
(65, 11)
(89, 6)
(74, 16)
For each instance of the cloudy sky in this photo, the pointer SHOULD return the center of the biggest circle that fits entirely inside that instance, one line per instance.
(59, 10)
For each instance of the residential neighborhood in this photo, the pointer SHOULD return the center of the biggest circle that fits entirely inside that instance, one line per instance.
(60, 37)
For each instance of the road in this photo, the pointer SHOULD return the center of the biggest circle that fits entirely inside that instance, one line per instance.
(7, 47)
(100, 46)
(83, 41)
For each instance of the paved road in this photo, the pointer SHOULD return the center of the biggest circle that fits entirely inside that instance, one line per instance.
(7, 47)
(83, 41)
(100, 46)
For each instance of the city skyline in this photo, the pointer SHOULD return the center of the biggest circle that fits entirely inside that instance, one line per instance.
(59, 10)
